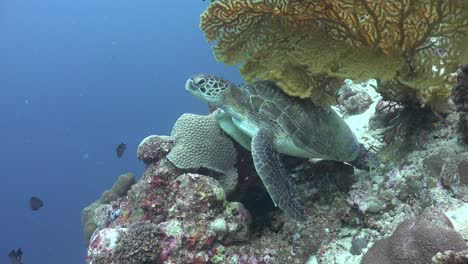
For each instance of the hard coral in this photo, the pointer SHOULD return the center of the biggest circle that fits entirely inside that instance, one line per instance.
(102, 244)
(238, 221)
(454, 175)
(139, 244)
(460, 90)
(451, 257)
(460, 99)
(358, 103)
(196, 219)
(119, 189)
(196, 195)
(87, 220)
(415, 241)
(171, 216)
(379, 25)
(308, 47)
(153, 148)
(200, 142)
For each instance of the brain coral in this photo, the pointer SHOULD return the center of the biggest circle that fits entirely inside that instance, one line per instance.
(200, 142)
(308, 47)
(415, 241)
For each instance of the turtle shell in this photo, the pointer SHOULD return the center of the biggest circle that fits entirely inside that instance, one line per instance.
(313, 128)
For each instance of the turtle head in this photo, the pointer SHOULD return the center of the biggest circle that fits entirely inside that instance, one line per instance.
(209, 88)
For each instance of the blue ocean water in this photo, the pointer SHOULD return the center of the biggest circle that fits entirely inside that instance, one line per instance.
(76, 79)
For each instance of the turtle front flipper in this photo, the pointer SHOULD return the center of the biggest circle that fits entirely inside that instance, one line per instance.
(226, 124)
(274, 176)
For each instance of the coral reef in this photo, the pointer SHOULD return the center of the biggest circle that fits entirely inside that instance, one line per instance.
(197, 222)
(460, 90)
(200, 143)
(170, 216)
(415, 241)
(404, 186)
(174, 215)
(385, 112)
(119, 189)
(454, 175)
(354, 101)
(451, 257)
(459, 220)
(407, 131)
(357, 245)
(357, 103)
(460, 99)
(139, 243)
(309, 47)
(152, 147)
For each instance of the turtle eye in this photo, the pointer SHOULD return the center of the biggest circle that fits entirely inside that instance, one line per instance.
(199, 81)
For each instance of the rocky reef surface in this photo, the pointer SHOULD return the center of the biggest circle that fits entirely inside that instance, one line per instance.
(219, 212)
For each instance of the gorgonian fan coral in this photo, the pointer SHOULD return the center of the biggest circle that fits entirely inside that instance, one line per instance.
(308, 47)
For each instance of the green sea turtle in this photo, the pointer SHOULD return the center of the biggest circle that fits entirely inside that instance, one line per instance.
(266, 121)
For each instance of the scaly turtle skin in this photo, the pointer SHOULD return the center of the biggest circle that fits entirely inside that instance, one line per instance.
(268, 122)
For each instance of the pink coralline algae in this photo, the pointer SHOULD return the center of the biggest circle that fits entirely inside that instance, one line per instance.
(153, 148)
(185, 214)
(172, 216)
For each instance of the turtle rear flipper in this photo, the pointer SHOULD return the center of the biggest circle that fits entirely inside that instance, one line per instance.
(274, 176)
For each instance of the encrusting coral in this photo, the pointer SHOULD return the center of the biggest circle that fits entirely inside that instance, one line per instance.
(309, 47)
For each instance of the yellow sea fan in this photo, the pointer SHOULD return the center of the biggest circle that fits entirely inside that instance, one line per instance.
(299, 43)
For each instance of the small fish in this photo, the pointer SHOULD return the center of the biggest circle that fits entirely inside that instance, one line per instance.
(121, 149)
(35, 203)
(115, 214)
(15, 256)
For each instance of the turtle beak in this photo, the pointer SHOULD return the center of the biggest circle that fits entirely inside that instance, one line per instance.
(189, 86)
(194, 90)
